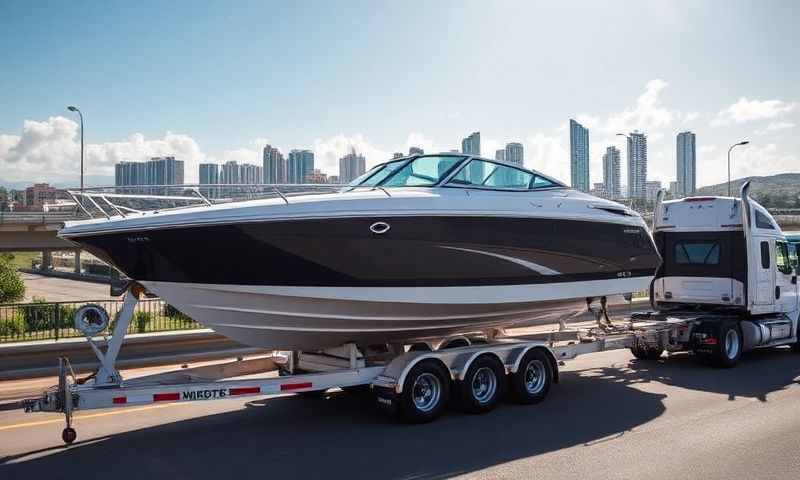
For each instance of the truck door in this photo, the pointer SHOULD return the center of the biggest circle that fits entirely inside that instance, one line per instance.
(765, 276)
(786, 295)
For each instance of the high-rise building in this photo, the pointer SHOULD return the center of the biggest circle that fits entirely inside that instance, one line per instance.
(300, 166)
(673, 189)
(472, 146)
(515, 153)
(274, 165)
(415, 151)
(231, 173)
(686, 164)
(611, 173)
(397, 155)
(637, 165)
(500, 154)
(579, 156)
(599, 190)
(316, 176)
(156, 171)
(209, 175)
(38, 195)
(351, 166)
(651, 190)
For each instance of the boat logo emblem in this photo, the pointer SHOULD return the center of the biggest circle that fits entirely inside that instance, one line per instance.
(379, 227)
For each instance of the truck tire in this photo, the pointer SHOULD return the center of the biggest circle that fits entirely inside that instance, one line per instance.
(426, 391)
(483, 385)
(643, 352)
(729, 347)
(532, 380)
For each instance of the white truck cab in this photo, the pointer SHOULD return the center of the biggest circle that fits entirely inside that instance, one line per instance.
(723, 252)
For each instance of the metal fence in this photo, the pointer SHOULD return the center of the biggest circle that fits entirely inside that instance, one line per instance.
(21, 322)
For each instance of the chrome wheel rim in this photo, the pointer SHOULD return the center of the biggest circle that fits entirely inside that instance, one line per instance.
(484, 385)
(732, 344)
(426, 391)
(534, 377)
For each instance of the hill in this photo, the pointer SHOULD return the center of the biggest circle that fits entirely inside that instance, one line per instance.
(780, 191)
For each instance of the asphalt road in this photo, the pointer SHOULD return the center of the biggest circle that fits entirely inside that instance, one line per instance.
(55, 289)
(610, 417)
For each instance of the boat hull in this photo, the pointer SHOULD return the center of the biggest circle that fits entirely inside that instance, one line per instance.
(302, 318)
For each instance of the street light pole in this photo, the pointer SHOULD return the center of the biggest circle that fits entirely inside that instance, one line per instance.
(729, 162)
(75, 109)
(628, 149)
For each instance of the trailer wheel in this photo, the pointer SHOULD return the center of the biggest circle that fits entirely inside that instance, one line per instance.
(643, 352)
(425, 392)
(729, 347)
(531, 382)
(69, 435)
(483, 385)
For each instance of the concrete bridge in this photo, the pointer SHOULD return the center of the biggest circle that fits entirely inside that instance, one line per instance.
(36, 232)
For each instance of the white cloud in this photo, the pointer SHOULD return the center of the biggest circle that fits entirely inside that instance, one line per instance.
(775, 126)
(745, 110)
(328, 151)
(548, 155)
(417, 139)
(648, 114)
(690, 117)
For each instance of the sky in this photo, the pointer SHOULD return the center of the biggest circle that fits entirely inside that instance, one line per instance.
(211, 81)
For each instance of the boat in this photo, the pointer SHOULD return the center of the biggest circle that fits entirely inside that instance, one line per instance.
(417, 247)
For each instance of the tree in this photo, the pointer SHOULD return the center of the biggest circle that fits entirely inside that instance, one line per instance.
(12, 288)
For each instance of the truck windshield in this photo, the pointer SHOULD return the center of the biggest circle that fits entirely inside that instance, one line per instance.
(697, 253)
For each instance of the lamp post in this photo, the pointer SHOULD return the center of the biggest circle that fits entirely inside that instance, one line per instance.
(75, 109)
(729, 162)
(630, 196)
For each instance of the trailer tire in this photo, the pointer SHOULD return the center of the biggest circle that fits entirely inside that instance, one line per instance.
(68, 435)
(426, 391)
(642, 352)
(532, 380)
(729, 347)
(483, 385)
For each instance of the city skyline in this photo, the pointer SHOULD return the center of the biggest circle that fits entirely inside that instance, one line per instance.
(738, 81)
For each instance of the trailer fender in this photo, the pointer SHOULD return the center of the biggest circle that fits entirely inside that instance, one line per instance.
(401, 379)
(516, 357)
(462, 362)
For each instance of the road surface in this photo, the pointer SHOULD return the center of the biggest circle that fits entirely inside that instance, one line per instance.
(610, 417)
(63, 290)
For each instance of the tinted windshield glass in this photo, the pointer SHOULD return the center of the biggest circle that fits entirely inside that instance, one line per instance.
(495, 175)
(422, 171)
(697, 253)
(376, 175)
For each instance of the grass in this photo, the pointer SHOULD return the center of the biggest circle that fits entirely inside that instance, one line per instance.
(23, 259)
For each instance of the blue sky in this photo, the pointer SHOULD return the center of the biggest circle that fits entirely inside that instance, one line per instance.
(211, 81)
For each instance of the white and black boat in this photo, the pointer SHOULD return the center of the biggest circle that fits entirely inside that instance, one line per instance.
(418, 247)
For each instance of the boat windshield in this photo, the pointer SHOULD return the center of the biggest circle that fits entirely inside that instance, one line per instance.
(423, 171)
(490, 175)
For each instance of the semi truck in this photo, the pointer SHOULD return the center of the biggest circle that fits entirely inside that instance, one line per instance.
(726, 285)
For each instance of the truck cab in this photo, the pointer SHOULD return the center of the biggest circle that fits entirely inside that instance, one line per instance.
(723, 253)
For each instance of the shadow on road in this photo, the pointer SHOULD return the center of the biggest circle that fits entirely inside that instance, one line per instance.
(342, 434)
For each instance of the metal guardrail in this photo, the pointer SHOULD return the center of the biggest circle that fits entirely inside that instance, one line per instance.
(41, 320)
(35, 218)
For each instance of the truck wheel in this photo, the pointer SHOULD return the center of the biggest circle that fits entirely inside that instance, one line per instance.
(531, 382)
(483, 384)
(729, 347)
(425, 392)
(643, 352)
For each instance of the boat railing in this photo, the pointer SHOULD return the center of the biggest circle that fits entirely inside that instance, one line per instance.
(122, 201)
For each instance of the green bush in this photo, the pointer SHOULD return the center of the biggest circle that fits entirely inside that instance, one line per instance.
(140, 321)
(39, 315)
(12, 288)
(13, 325)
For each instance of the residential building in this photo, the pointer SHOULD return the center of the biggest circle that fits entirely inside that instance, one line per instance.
(300, 166)
(231, 173)
(351, 166)
(130, 173)
(471, 145)
(637, 165)
(579, 156)
(209, 175)
(316, 176)
(396, 155)
(651, 190)
(515, 153)
(415, 151)
(500, 154)
(38, 195)
(673, 189)
(686, 155)
(156, 171)
(334, 179)
(611, 173)
(599, 190)
(274, 166)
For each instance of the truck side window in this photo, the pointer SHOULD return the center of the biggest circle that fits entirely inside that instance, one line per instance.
(782, 258)
(765, 255)
(762, 221)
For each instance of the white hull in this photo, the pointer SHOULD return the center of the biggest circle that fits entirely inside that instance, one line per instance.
(311, 318)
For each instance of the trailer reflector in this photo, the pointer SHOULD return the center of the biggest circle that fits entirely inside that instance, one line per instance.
(119, 400)
(245, 390)
(295, 386)
(166, 397)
